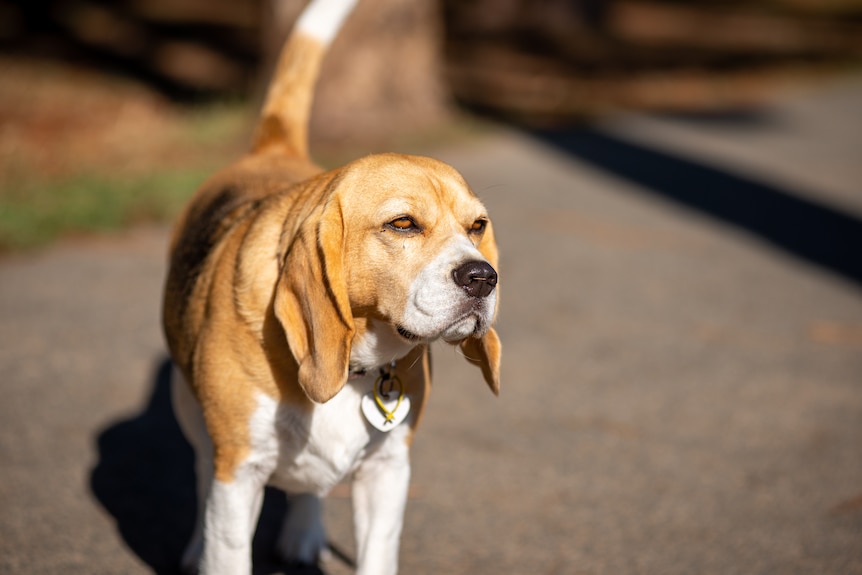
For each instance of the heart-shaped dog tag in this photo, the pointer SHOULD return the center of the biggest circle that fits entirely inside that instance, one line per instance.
(388, 414)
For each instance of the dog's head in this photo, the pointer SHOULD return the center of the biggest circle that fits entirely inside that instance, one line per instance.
(400, 239)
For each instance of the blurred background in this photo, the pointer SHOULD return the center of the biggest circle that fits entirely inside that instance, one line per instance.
(676, 188)
(129, 101)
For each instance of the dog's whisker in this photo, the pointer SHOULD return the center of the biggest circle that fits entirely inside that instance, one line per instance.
(459, 351)
(415, 361)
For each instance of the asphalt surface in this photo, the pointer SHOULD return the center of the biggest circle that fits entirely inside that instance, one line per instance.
(682, 369)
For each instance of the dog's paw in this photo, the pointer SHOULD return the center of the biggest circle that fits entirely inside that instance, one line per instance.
(191, 557)
(302, 539)
(306, 547)
(296, 568)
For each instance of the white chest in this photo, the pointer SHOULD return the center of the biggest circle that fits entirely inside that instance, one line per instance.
(316, 450)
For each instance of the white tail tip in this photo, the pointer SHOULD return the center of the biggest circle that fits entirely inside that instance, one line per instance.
(322, 19)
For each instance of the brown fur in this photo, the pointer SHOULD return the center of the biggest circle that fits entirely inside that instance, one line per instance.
(273, 271)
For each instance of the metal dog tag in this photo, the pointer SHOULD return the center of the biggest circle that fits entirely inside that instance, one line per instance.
(394, 412)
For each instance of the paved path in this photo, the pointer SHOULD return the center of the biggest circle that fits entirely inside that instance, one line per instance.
(682, 382)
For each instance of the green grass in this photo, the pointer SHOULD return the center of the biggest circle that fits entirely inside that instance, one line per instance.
(36, 209)
(33, 213)
(104, 195)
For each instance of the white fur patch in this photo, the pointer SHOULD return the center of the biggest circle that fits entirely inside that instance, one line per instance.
(322, 19)
(319, 449)
(303, 453)
(378, 346)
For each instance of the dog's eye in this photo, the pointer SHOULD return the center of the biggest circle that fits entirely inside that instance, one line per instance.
(403, 224)
(478, 226)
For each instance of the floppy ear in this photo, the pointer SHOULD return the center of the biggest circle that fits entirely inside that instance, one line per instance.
(485, 351)
(312, 306)
(414, 369)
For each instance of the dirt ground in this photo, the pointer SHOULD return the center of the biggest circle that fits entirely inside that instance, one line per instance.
(57, 119)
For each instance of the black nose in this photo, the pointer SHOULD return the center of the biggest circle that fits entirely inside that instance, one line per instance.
(477, 278)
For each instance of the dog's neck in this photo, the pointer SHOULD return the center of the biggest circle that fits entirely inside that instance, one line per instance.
(375, 345)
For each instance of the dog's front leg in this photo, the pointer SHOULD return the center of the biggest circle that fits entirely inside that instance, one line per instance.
(379, 497)
(229, 523)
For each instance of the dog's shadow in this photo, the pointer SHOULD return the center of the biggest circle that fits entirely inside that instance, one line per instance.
(145, 479)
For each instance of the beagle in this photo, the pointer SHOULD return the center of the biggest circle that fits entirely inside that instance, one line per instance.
(299, 308)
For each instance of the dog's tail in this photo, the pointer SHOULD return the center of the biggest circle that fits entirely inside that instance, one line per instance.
(284, 120)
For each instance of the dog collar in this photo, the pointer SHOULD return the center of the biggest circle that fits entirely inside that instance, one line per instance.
(356, 373)
(384, 387)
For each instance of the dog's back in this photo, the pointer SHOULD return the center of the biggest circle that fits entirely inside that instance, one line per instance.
(278, 157)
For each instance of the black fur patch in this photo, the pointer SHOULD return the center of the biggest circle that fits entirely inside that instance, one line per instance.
(205, 227)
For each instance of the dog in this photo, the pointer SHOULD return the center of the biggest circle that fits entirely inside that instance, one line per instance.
(298, 309)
